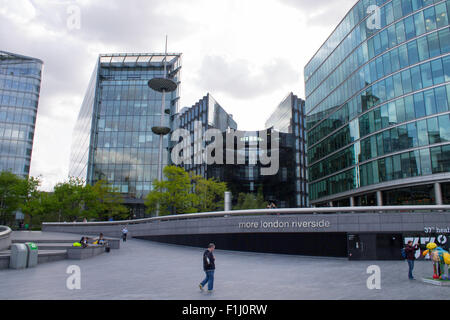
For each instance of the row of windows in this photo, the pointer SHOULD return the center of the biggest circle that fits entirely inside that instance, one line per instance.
(132, 93)
(19, 86)
(128, 139)
(421, 104)
(406, 165)
(16, 132)
(12, 100)
(393, 11)
(15, 148)
(18, 115)
(131, 174)
(421, 76)
(404, 30)
(417, 134)
(410, 164)
(28, 69)
(130, 123)
(418, 50)
(130, 108)
(19, 166)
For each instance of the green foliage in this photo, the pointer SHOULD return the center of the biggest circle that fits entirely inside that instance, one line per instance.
(210, 194)
(173, 195)
(251, 201)
(181, 193)
(69, 201)
(11, 188)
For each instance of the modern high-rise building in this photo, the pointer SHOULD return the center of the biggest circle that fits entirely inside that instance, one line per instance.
(20, 83)
(378, 107)
(208, 113)
(113, 140)
(247, 177)
(289, 117)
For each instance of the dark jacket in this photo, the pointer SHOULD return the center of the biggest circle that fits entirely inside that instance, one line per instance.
(411, 251)
(208, 261)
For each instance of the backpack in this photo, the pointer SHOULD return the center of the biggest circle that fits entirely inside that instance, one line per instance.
(403, 252)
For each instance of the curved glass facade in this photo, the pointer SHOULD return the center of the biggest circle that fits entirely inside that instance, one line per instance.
(112, 139)
(378, 99)
(20, 83)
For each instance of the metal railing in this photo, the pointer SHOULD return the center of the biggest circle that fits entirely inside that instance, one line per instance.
(325, 210)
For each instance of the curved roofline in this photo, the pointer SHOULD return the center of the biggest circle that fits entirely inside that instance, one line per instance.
(21, 56)
(334, 30)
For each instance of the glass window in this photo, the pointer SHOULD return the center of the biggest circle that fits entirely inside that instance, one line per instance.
(400, 108)
(425, 162)
(444, 40)
(419, 105)
(433, 130)
(413, 54)
(400, 31)
(403, 55)
(409, 108)
(409, 28)
(427, 79)
(444, 128)
(433, 45)
(441, 99)
(416, 78)
(412, 135)
(430, 102)
(430, 19)
(422, 46)
(437, 71)
(441, 15)
(406, 81)
(422, 132)
(419, 23)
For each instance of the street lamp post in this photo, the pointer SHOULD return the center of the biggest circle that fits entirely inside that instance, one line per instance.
(162, 85)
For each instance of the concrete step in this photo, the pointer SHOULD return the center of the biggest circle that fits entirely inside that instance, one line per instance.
(44, 256)
(46, 241)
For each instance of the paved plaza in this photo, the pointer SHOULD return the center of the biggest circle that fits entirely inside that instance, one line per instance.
(148, 270)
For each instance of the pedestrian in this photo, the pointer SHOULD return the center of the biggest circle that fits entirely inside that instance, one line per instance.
(410, 257)
(124, 234)
(209, 267)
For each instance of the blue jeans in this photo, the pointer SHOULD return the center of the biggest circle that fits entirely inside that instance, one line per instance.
(411, 267)
(209, 279)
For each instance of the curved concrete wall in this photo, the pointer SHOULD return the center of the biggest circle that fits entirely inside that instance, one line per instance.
(5, 238)
(287, 223)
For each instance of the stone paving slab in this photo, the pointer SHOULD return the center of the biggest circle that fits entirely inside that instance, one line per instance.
(150, 270)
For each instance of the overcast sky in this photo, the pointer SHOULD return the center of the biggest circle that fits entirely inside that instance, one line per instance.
(249, 54)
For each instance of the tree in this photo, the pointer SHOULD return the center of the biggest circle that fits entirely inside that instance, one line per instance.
(251, 201)
(173, 195)
(10, 188)
(70, 198)
(107, 203)
(210, 194)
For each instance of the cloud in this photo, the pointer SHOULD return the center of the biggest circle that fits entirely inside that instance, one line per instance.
(323, 13)
(240, 79)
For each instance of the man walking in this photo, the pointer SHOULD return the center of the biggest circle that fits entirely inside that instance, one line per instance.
(124, 233)
(209, 267)
(410, 257)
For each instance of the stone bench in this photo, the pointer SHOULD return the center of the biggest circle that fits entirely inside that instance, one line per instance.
(79, 253)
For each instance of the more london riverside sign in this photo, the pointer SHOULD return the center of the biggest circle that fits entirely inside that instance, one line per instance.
(299, 224)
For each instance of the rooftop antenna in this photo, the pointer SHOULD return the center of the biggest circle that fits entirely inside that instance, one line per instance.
(162, 85)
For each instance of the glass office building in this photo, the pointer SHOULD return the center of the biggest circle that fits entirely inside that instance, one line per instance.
(289, 117)
(210, 114)
(378, 107)
(113, 140)
(20, 83)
